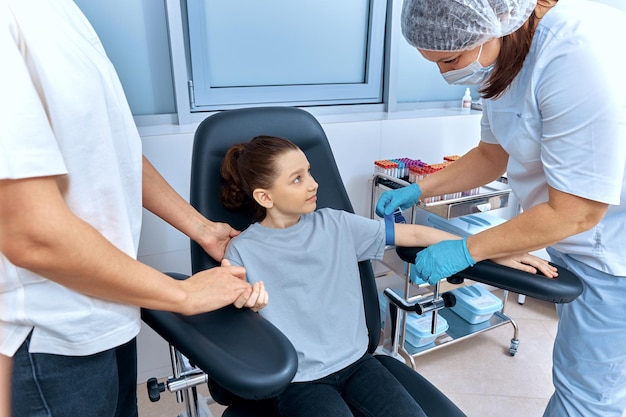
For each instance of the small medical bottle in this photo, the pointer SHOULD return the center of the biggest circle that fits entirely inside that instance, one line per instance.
(466, 102)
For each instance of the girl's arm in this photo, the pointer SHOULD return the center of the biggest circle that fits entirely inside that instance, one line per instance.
(422, 236)
(256, 300)
(463, 173)
(418, 235)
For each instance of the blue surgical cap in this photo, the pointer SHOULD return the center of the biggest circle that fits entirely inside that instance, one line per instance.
(459, 25)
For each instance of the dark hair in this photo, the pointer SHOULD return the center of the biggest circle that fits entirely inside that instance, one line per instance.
(513, 52)
(248, 166)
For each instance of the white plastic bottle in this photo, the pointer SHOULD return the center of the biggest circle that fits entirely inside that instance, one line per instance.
(466, 102)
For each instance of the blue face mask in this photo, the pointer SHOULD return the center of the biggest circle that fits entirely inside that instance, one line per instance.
(473, 74)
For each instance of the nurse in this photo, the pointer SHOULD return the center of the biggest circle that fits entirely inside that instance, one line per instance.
(554, 120)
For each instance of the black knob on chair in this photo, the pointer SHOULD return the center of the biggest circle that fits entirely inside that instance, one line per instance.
(449, 300)
(455, 279)
(155, 388)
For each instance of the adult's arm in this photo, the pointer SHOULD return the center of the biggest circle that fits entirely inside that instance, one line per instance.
(481, 165)
(38, 232)
(562, 216)
(410, 235)
(162, 200)
(6, 368)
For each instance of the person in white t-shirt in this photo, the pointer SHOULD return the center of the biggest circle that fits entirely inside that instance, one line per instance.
(554, 118)
(72, 184)
(5, 384)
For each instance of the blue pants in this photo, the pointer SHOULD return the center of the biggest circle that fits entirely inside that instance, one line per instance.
(589, 358)
(100, 385)
(365, 388)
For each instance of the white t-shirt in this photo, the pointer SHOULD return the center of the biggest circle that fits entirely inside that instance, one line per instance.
(563, 123)
(63, 112)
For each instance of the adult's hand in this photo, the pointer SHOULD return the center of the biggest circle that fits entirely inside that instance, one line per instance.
(215, 288)
(442, 260)
(404, 198)
(256, 300)
(214, 237)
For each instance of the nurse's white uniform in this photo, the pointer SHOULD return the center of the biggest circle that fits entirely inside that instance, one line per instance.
(563, 124)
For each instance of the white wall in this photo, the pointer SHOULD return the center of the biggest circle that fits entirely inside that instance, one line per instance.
(357, 141)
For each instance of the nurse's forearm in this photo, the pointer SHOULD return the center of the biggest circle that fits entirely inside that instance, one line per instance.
(479, 166)
(564, 215)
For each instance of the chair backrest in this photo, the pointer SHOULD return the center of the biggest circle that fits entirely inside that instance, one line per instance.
(220, 131)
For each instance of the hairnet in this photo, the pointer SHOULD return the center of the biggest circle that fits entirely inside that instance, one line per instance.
(458, 25)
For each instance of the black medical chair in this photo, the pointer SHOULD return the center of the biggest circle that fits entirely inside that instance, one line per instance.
(246, 359)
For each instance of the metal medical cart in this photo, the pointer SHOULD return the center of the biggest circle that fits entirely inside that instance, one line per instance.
(490, 197)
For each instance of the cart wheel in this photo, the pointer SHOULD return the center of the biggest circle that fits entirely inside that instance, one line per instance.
(513, 347)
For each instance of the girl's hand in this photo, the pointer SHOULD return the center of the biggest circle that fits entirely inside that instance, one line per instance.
(528, 263)
(259, 297)
(255, 299)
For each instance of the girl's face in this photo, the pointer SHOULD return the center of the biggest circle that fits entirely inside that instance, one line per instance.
(293, 193)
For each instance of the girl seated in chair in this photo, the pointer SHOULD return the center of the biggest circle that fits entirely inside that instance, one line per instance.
(308, 261)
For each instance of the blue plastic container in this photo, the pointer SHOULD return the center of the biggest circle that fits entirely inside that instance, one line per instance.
(418, 327)
(475, 304)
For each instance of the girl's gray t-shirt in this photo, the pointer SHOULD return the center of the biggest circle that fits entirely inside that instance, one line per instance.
(311, 273)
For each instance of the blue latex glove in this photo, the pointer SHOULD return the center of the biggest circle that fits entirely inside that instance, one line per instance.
(442, 260)
(404, 198)
(415, 279)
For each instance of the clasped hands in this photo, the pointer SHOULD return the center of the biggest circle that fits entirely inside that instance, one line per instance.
(218, 287)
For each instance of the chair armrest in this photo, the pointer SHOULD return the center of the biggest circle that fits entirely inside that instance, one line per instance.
(562, 289)
(237, 348)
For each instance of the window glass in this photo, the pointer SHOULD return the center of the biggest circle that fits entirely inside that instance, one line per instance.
(134, 35)
(249, 52)
(323, 51)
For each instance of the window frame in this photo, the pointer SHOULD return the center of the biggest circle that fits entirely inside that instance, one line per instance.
(389, 78)
(204, 97)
